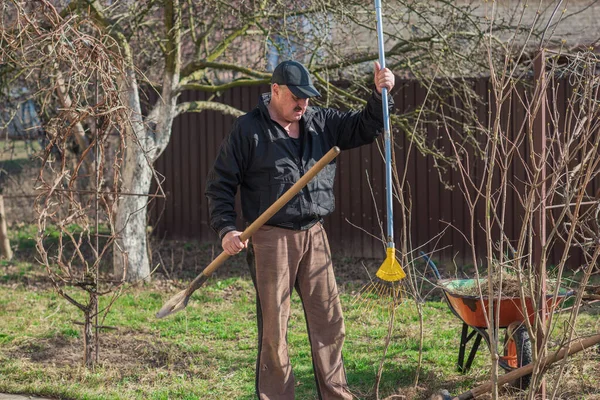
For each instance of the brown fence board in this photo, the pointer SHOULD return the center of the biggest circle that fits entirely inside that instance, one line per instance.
(433, 190)
(198, 129)
(194, 173)
(410, 98)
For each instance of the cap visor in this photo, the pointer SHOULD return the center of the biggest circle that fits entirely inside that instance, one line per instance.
(304, 92)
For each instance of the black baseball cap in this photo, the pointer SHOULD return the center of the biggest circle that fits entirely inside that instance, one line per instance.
(296, 77)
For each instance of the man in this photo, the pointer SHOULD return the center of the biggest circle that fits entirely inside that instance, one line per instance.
(267, 151)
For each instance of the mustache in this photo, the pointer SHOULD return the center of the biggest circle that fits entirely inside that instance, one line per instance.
(298, 108)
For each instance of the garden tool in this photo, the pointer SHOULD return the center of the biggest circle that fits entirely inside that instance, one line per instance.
(390, 270)
(181, 299)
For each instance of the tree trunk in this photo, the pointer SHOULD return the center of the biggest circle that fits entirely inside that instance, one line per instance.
(130, 256)
(88, 332)
(4, 242)
(130, 251)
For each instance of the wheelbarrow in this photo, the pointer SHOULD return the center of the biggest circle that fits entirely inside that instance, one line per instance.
(470, 310)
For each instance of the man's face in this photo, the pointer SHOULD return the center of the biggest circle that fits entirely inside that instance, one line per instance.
(288, 107)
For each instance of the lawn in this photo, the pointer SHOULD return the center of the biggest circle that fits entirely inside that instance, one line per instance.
(208, 350)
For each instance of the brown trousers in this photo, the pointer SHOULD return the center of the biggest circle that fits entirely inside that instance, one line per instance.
(284, 259)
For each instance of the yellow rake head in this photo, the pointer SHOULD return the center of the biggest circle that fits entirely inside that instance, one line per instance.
(390, 270)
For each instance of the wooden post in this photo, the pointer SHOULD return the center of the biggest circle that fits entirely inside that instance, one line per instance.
(538, 159)
(4, 242)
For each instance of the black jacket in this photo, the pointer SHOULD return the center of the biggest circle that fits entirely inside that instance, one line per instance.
(260, 157)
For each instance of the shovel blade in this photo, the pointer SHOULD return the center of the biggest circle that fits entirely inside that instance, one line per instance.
(174, 304)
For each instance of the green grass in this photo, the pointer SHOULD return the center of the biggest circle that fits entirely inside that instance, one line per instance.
(12, 150)
(23, 237)
(208, 351)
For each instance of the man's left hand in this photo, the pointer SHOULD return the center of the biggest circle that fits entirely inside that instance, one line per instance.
(384, 78)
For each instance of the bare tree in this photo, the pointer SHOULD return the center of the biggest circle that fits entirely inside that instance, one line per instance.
(174, 46)
(543, 170)
(76, 227)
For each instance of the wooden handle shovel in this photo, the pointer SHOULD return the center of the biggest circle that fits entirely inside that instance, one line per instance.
(180, 300)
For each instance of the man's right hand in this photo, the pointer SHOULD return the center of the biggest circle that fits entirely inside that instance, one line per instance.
(232, 244)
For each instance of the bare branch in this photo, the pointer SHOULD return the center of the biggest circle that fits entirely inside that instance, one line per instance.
(199, 106)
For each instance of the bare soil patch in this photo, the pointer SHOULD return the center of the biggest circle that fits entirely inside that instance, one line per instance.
(127, 350)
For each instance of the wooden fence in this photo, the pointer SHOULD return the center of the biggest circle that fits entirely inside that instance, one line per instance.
(354, 229)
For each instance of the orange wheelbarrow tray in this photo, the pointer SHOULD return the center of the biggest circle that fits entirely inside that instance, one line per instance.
(471, 311)
(512, 312)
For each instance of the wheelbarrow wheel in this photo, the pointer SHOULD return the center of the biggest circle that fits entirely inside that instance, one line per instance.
(517, 353)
